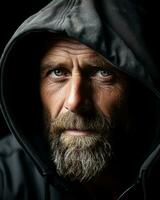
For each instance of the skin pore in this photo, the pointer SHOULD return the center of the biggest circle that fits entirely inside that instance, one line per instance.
(81, 92)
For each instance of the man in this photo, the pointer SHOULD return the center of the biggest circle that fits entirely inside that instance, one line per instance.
(79, 95)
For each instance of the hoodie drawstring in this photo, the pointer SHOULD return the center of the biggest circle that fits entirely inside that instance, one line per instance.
(46, 189)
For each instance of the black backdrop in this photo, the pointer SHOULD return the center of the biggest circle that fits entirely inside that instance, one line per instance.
(13, 13)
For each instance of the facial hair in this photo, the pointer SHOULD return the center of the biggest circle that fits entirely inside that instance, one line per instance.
(80, 157)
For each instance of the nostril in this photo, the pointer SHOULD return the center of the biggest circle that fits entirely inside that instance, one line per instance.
(82, 107)
(68, 109)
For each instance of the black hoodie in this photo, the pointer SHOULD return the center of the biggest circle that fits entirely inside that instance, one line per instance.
(112, 28)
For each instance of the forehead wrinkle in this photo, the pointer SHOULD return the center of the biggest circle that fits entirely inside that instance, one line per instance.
(93, 60)
(84, 55)
(58, 55)
(52, 59)
(69, 44)
(58, 50)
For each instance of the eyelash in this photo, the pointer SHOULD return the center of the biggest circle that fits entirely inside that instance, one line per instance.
(99, 69)
(53, 70)
(60, 70)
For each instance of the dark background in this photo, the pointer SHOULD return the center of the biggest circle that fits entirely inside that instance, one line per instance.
(14, 12)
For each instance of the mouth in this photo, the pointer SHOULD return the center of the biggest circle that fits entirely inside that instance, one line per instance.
(78, 132)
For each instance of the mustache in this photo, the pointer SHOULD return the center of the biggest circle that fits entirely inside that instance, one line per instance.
(89, 122)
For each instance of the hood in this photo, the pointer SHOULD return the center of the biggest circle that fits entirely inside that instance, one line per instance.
(112, 28)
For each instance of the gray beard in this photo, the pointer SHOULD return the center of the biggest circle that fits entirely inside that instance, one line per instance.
(80, 158)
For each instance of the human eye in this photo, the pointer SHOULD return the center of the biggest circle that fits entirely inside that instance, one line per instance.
(57, 73)
(103, 74)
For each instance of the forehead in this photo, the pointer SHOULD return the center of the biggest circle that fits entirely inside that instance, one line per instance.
(63, 48)
(68, 44)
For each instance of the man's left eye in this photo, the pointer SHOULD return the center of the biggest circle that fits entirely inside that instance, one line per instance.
(104, 73)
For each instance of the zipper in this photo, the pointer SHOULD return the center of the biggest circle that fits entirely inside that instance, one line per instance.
(126, 191)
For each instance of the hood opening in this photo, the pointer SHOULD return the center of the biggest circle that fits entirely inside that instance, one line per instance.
(21, 100)
(22, 106)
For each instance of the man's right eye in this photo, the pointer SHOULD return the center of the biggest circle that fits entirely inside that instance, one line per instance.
(58, 72)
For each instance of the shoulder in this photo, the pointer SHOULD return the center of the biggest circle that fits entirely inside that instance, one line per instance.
(8, 146)
(12, 156)
(17, 170)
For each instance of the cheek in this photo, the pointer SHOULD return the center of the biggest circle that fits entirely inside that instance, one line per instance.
(52, 99)
(110, 100)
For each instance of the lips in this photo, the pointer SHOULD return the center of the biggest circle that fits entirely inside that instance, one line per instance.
(78, 132)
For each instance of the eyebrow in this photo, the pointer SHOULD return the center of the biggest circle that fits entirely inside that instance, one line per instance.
(50, 64)
(98, 62)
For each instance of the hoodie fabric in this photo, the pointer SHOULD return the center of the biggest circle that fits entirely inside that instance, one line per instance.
(111, 28)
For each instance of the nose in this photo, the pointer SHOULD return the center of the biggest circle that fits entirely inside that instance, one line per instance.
(78, 95)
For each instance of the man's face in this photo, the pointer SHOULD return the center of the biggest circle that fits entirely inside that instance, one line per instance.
(83, 97)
